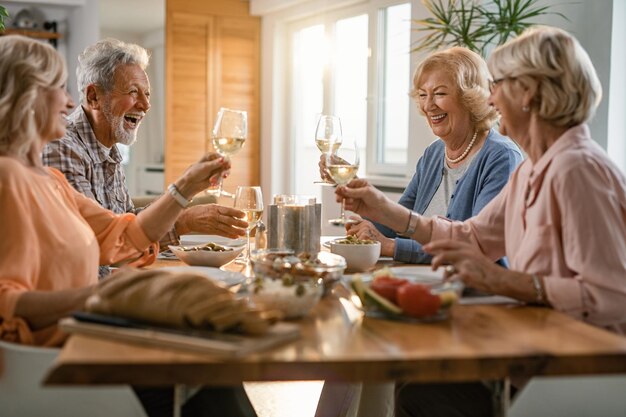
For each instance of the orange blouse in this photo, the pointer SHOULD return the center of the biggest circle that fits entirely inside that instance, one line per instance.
(53, 238)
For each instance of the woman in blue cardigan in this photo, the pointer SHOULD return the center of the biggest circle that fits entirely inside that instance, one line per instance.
(467, 166)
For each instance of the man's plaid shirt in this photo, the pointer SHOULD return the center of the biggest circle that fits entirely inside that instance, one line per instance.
(93, 169)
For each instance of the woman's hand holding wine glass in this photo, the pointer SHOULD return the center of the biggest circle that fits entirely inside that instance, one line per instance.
(342, 165)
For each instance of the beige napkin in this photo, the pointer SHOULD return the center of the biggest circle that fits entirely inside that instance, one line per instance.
(175, 299)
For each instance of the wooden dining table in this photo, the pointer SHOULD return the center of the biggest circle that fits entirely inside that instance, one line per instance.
(496, 342)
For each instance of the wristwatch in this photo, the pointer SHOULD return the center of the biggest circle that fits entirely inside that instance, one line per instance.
(180, 199)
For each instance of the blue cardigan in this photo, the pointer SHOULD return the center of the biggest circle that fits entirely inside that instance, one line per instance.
(487, 174)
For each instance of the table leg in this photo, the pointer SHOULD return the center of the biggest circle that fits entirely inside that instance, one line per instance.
(179, 393)
(501, 397)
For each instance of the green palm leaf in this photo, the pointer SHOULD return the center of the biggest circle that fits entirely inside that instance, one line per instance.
(474, 24)
(3, 15)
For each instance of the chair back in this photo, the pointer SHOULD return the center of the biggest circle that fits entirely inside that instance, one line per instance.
(22, 371)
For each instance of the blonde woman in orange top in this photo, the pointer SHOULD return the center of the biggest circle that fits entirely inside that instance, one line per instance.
(54, 238)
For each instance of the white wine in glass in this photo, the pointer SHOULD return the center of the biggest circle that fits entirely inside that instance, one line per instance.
(328, 135)
(343, 165)
(228, 146)
(252, 217)
(324, 145)
(249, 200)
(228, 137)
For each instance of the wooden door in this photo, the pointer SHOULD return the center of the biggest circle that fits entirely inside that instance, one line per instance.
(212, 62)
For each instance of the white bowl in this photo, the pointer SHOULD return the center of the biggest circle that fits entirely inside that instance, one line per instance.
(294, 299)
(275, 263)
(205, 257)
(196, 240)
(359, 258)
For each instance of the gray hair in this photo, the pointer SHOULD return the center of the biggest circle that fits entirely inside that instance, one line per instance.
(27, 69)
(97, 63)
(568, 89)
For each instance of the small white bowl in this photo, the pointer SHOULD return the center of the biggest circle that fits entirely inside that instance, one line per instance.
(359, 258)
(275, 263)
(206, 257)
(294, 300)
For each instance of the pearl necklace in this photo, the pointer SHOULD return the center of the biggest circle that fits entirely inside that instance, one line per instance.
(465, 152)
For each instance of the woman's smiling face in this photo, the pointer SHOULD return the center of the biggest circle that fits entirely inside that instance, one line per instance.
(59, 104)
(440, 101)
(509, 104)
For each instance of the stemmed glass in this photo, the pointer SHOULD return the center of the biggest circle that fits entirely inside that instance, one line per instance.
(343, 164)
(328, 135)
(228, 137)
(249, 200)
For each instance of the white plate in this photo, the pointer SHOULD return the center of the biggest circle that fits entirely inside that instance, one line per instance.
(229, 278)
(196, 240)
(422, 273)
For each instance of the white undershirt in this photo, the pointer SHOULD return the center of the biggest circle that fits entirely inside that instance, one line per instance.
(440, 202)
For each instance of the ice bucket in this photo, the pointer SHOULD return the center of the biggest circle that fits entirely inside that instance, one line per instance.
(294, 222)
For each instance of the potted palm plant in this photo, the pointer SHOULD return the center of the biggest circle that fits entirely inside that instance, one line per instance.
(3, 15)
(477, 25)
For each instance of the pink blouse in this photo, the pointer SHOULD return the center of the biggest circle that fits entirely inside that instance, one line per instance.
(53, 238)
(562, 218)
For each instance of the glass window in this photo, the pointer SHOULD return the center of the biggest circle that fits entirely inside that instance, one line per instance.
(309, 60)
(393, 107)
(355, 64)
(350, 92)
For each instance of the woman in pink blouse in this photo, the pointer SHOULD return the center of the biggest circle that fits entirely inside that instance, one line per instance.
(561, 219)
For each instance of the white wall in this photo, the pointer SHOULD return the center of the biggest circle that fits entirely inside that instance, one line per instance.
(617, 99)
(77, 21)
(591, 22)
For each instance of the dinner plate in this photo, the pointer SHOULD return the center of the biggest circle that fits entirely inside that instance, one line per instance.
(422, 274)
(196, 240)
(229, 278)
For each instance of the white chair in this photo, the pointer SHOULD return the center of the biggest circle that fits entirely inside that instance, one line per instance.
(588, 396)
(22, 370)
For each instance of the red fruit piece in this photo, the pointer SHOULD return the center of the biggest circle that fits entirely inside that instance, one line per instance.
(387, 287)
(416, 300)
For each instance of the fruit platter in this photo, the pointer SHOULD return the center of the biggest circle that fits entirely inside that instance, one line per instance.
(390, 296)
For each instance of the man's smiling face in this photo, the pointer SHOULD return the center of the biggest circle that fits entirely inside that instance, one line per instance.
(125, 106)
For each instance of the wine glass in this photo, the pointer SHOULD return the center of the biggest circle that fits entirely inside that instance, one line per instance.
(228, 137)
(328, 132)
(342, 165)
(249, 200)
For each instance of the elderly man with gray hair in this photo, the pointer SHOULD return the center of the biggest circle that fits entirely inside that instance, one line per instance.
(114, 99)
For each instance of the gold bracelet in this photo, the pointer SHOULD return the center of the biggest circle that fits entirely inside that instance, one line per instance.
(539, 293)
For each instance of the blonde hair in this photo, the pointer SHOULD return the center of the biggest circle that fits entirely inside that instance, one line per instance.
(568, 89)
(98, 62)
(26, 68)
(470, 73)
